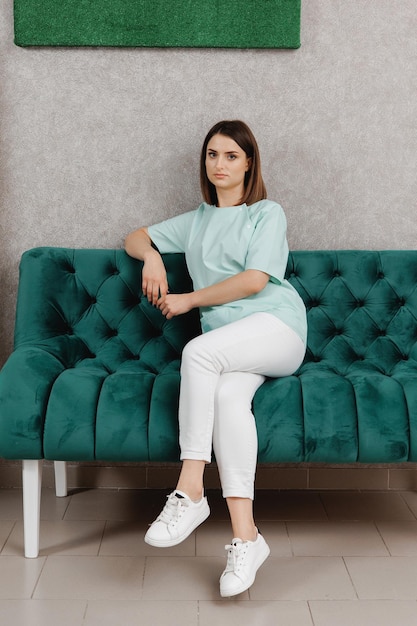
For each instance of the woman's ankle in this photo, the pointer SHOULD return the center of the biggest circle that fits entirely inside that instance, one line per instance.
(245, 533)
(241, 517)
(190, 480)
(194, 494)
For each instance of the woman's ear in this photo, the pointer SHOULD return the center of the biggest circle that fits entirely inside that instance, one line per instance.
(248, 164)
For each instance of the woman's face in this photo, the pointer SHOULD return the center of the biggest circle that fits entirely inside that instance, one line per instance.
(226, 166)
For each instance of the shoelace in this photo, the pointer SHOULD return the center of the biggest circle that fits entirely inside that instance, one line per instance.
(172, 510)
(236, 553)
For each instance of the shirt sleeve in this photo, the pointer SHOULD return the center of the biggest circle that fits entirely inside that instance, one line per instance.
(268, 248)
(172, 235)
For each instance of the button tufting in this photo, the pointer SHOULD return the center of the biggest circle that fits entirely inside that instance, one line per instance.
(336, 274)
(112, 332)
(360, 303)
(401, 301)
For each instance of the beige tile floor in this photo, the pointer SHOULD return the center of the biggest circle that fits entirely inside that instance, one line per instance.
(337, 559)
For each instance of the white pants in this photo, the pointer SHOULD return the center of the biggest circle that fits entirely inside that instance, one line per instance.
(220, 373)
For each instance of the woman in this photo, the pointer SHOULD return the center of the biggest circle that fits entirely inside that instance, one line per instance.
(253, 324)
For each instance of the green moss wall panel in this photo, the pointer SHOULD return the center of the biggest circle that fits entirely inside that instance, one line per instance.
(158, 23)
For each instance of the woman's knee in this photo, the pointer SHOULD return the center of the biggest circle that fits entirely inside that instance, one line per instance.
(198, 354)
(235, 391)
(191, 350)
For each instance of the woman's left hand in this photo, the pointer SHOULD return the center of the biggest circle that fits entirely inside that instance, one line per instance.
(173, 304)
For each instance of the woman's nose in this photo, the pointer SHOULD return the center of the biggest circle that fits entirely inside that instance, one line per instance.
(219, 162)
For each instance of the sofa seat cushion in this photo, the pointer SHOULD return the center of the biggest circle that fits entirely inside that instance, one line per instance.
(322, 416)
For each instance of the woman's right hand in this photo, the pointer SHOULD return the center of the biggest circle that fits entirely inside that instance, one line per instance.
(138, 245)
(154, 277)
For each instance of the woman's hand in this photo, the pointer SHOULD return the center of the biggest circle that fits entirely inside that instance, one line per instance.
(236, 287)
(154, 277)
(172, 304)
(138, 245)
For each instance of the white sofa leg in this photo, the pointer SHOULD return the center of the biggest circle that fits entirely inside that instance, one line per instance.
(32, 485)
(61, 485)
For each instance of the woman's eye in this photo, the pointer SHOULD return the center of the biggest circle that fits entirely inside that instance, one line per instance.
(232, 157)
(211, 155)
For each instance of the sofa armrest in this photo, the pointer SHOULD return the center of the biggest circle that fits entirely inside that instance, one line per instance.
(25, 384)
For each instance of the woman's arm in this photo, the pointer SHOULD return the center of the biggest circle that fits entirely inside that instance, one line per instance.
(138, 245)
(236, 287)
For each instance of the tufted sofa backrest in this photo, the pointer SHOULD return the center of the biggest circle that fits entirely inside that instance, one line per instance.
(86, 306)
(362, 309)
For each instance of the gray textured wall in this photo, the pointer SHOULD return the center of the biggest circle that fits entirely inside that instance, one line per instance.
(95, 142)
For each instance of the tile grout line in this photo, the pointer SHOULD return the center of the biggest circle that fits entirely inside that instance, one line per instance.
(289, 538)
(38, 578)
(87, 603)
(324, 506)
(350, 577)
(103, 532)
(143, 577)
(69, 496)
(407, 505)
(9, 535)
(311, 612)
(375, 523)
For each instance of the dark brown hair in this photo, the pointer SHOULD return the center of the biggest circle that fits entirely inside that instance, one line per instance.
(255, 189)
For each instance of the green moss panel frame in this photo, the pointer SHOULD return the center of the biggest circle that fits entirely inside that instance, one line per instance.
(158, 23)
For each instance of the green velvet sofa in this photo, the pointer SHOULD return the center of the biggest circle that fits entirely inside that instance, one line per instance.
(94, 374)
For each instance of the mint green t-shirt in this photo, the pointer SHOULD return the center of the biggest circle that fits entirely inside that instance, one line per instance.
(221, 242)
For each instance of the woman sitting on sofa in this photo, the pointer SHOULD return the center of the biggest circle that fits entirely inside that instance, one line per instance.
(254, 326)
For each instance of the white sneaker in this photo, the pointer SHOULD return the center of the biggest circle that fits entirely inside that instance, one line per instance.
(178, 519)
(244, 558)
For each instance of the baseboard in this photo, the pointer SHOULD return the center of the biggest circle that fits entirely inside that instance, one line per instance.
(164, 476)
